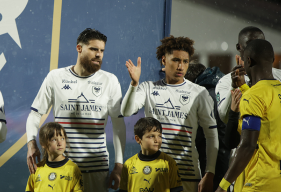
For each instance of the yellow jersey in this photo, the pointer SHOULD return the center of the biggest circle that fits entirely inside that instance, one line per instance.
(156, 173)
(263, 100)
(62, 176)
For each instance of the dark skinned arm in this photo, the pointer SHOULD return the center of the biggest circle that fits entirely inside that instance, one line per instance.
(232, 136)
(243, 155)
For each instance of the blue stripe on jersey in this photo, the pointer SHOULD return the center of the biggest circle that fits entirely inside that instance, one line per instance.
(192, 180)
(176, 135)
(84, 138)
(175, 149)
(89, 161)
(73, 157)
(78, 118)
(185, 164)
(175, 144)
(85, 143)
(36, 110)
(188, 174)
(97, 170)
(182, 159)
(92, 128)
(84, 133)
(86, 152)
(176, 125)
(221, 101)
(80, 76)
(176, 140)
(3, 120)
(186, 170)
(178, 154)
(87, 147)
(212, 127)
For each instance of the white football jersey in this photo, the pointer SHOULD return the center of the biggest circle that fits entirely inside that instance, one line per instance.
(179, 108)
(82, 105)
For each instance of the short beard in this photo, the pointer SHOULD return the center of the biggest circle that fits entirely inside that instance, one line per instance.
(88, 66)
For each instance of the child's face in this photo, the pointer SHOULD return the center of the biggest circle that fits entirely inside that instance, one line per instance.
(57, 146)
(151, 142)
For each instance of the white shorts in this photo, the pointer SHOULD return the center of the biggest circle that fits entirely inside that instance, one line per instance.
(190, 186)
(96, 181)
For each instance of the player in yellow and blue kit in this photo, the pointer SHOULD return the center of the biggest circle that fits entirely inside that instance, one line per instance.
(55, 173)
(259, 149)
(150, 169)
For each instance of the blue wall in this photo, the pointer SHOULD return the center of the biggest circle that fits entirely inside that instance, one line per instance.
(134, 28)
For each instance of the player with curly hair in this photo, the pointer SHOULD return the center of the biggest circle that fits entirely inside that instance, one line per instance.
(179, 105)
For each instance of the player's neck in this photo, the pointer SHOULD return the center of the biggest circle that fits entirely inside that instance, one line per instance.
(79, 70)
(55, 158)
(147, 152)
(261, 75)
(173, 81)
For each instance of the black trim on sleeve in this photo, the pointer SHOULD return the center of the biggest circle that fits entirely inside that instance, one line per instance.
(4, 121)
(33, 109)
(176, 189)
(56, 164)
(149, 157)
(232, 136)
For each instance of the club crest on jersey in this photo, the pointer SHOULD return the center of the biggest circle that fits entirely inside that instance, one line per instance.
(184, 99)
(97, 90)
(147, 170)
(52, 176)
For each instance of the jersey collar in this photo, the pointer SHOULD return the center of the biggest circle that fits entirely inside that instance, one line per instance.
(149, 157)
(57, 164)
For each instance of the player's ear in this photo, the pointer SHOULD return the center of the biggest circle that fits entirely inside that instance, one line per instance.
(163, 61)
(138, 140)
(79, 48)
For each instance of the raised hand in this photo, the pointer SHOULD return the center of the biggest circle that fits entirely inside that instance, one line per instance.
(134, 71)
(235, 100)
(238, 72)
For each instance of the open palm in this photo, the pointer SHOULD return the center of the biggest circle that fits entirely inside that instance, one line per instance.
(134, 71)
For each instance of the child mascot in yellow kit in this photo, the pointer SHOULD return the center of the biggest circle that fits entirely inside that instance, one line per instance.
(150, 169)
(55, 172)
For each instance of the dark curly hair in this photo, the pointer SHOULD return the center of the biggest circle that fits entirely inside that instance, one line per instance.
(90, 34)
(169, 44)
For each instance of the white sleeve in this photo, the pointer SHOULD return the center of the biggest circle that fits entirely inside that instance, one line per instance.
(208, 122)
(119, 138)
(32, 125)
(3, 127)
(223, 94)
(44, 98)
(134, 100)
(118, 124)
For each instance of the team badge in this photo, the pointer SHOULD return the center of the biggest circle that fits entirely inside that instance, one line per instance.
(147, 170)
(184, 99)
(52, 176)
(97, 90)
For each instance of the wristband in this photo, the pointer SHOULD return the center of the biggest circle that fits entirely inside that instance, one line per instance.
(224, 184)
